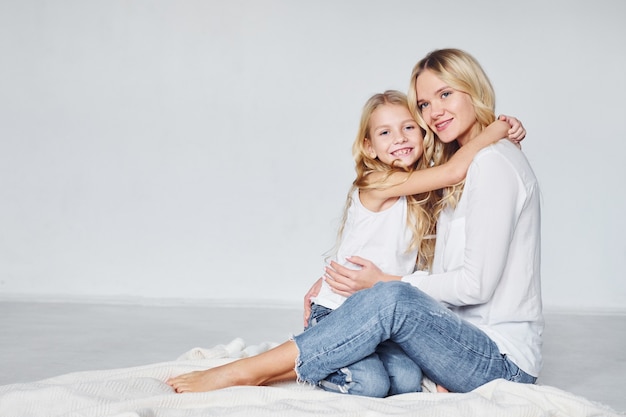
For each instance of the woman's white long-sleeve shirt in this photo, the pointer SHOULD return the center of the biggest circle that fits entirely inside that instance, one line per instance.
(487, 255)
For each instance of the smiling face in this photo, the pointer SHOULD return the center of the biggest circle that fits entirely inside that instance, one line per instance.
(394, 136)
(448, 112)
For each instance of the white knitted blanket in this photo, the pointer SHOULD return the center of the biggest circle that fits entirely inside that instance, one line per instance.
(141, 392)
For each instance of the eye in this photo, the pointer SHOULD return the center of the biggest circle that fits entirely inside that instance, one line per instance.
(445, 94)
(409, 127)
(422, 106)
(383, 132)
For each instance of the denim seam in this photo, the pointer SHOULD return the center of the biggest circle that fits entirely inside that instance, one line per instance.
(441, 331)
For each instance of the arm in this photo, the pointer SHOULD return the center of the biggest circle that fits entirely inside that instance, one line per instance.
(450, 173)
(516, 133)
(313, 292)
(346, 281)
(494, 203)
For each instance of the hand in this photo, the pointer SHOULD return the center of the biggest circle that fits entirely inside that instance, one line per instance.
(313, 292)
(346, 281)
(516, 133)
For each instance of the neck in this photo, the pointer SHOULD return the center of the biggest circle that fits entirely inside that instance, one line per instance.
(471, 133)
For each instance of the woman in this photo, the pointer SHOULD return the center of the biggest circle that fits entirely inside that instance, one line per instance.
(478, 316)
(487, 253)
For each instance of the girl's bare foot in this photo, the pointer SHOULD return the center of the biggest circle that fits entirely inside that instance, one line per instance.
(271, 366)
(208, 380)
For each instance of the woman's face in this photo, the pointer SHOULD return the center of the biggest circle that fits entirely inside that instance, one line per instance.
(394, 135)
(448, 112)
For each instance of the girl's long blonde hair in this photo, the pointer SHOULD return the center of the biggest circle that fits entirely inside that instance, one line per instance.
(418, 214)
(462, 72)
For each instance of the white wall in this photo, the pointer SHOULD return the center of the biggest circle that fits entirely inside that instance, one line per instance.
(201, 149)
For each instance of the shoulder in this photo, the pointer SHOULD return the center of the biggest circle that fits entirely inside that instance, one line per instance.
(503, 159)
(502, 151)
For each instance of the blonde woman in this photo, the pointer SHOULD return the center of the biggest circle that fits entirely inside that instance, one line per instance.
(486, 270)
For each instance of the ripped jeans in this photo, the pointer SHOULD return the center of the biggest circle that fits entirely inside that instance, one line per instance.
(387, 371)
(449, 351)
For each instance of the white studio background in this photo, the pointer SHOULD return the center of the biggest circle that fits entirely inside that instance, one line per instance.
(200, 150)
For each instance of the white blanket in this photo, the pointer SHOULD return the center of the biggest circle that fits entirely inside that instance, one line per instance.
(141, 392)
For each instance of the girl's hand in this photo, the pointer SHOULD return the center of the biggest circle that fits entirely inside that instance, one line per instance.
(345, 281)
(516, 133)
(313, 292)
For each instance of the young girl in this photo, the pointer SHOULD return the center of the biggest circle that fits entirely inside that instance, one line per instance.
(379, 222)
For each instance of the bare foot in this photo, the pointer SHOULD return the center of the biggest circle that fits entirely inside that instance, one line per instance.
(208, 380)
(274, 365)
(441, 389)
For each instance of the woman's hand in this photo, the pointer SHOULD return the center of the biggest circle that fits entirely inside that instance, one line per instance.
(516, 133)
(313, 292)
(346, 281)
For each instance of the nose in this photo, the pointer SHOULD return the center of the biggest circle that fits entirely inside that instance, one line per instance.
(436, 110)
(399, 137)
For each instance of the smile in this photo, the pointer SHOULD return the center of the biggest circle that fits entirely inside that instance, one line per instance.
(441, 126)
(402, 152)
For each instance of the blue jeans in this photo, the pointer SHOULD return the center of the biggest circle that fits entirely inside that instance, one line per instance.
(387, 371)
(450, 351)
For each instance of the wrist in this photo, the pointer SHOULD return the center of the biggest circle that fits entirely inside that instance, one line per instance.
(389, 278)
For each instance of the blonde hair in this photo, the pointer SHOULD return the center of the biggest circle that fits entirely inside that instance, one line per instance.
(462, 72)
(418, 214)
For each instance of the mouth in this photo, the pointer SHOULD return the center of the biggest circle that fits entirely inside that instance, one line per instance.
(398, 153)
(442, 125)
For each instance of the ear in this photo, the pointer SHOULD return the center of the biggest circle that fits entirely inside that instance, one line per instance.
(367, 145)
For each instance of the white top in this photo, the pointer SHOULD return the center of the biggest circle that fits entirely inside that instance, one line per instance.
(487, 255)
(381, 237)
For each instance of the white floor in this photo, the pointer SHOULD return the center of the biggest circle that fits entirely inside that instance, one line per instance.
(584, 354)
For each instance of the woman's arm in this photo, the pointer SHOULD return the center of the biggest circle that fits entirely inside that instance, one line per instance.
(495, 200)
(346, 281)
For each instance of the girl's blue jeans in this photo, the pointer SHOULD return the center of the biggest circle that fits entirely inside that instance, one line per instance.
(450, 351)
(387, 371)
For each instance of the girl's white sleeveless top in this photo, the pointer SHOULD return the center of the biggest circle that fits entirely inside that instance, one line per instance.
(382, 237)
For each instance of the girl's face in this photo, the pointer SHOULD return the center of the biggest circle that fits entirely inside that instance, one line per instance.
(394, 136)
(448, 112)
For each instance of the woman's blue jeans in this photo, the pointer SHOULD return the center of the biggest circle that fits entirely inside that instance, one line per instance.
(387, 371)
(450, 351)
